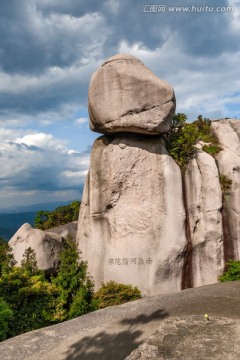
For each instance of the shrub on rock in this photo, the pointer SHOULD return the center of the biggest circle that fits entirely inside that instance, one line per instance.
(112, 293)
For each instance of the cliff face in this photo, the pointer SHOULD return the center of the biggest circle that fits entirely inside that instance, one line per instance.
(228, 161)
(143, 221)
(203, 211)
(131, 224)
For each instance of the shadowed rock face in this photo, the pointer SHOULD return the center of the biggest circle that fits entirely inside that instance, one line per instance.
(66, 230)
(47, 246)
(124, 95)
(113, 333)
(131, 224)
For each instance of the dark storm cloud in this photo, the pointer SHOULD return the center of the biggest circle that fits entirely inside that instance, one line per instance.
(47, 95)
(35, 35)
(32, 41)
(74, 36)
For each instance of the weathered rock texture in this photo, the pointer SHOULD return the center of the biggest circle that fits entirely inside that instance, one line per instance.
(114, 332)
(204, 207)
(131, 224)
(47, 246)
(124, 95)
(66, 230)
(191, 338)
(228, 134)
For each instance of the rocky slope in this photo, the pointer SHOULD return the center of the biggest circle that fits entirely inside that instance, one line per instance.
(114, 332)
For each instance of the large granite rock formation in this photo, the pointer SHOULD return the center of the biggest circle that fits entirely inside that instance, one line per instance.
(142, 221)
(204, 206)
(47, 246)
(124, 95)
(131, 224)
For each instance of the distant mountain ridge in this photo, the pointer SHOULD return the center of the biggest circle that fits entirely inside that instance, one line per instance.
(10, 223)
(11, 220)
(34, 207)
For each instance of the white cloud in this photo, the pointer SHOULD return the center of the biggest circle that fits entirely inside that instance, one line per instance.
(199, 85)
(81, 121)
(235, 23)
(36, 163)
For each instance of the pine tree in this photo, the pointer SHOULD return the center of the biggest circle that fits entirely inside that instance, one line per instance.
(74, 283)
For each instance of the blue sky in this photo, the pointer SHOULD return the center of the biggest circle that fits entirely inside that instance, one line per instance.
(48, 52)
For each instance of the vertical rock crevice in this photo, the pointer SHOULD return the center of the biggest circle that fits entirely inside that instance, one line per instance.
(187, 271)
(228, 245)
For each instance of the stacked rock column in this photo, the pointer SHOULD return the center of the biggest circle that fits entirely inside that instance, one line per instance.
(131, 223)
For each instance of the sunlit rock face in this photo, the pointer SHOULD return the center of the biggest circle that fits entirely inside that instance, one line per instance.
(124, 95)
(204, 208)
(47, 246)
(131, 225)
(227, 132)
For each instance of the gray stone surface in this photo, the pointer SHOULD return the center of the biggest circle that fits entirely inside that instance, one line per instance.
(227, 132)
(113, 333)
(131, 223)
(65, 230)
(46, 245)
(204, 204)
(192, 338)
(124, 95)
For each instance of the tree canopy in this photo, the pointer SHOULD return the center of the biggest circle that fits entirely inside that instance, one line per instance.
(183, 137)
(61, 215)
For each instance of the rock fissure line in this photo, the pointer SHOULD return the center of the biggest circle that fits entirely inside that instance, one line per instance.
(144, 109)
(228, 246)
(187, 275)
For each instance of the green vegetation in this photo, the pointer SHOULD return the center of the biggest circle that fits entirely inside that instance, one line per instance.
(61, 215)
(232, 273)
(183, 137)
(225, 182)
(74, 284)
(33, 301)
(111, 294)
(29, 262)
(181, 140)
(29, 295)
(6, 257)
(5, 317)
(29, 301)
(211, 149)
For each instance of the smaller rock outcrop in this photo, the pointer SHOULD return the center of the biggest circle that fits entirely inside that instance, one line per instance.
(47, 246)
(124, 95)
(65, 230)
